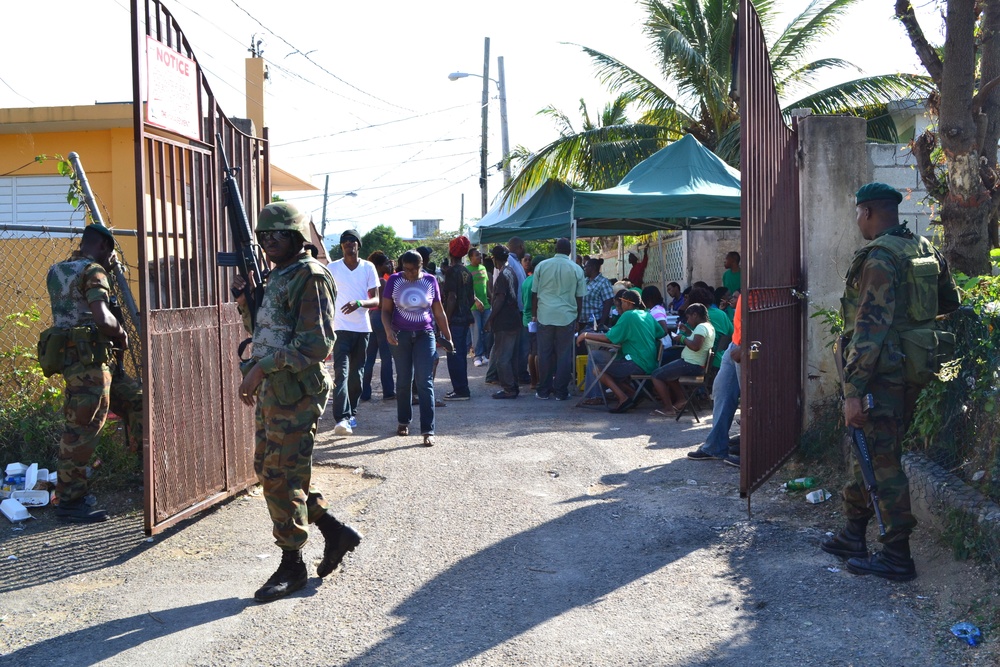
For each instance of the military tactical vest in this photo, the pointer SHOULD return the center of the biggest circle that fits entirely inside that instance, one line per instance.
(917, 268)
(276, 316)
(65, 283)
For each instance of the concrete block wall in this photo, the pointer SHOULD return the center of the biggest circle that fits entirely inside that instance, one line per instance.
(894, 164)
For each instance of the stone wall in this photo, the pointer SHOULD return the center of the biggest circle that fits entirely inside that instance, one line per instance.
(894, 164)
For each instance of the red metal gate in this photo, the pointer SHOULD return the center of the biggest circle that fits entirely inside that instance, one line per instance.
(772, 370)
(198, 441)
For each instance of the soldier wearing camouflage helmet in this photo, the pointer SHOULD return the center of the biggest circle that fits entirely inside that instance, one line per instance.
(290, 386)
(82, 339)
(896, 286)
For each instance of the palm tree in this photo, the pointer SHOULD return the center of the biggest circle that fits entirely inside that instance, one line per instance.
(692, 40)
(596, 157)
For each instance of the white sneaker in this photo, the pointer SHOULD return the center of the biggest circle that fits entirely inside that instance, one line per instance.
(478, 362)
(343, 427)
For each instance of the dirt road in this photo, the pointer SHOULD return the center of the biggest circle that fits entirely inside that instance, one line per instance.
(533, 533)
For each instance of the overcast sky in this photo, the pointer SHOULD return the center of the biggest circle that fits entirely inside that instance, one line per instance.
(371, 103)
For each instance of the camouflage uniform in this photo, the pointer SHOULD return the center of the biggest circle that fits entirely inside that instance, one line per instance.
(294, 336)
(885, 297)
(73, 285)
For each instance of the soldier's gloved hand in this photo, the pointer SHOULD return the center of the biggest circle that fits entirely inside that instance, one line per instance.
(239, 285)
(853, 414)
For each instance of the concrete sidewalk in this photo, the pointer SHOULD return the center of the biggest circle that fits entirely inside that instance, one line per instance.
(533, 533)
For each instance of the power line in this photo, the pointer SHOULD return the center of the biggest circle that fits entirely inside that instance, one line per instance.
(389, 164)
(306, 56)
(379, 148)
(373, 125)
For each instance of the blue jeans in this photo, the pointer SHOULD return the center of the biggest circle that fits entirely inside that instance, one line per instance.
(378, 346)
(504, 354)
(458, 361)
(726, 397)
(555, 359)
(348, 367)
(482, 341)
(414, 357)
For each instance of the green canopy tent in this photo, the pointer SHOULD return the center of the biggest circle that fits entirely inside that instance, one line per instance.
(682, 186)
(544, 214)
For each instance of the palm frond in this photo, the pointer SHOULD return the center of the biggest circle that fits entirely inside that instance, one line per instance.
(808, 73)
(816, 21)
(864, 92)
(562, 121)
(620, 78)
(596, 159)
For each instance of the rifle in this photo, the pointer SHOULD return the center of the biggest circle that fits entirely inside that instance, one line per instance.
(859, 443)
(121, 282)
(246, 259)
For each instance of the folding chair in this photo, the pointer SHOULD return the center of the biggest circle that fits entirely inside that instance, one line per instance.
(643, 383)
(591, 381)
(691, 384)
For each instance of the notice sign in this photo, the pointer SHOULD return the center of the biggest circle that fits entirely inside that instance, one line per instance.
(171, 90)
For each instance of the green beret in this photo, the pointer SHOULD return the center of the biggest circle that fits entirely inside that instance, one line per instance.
(102, 230)
(873, 191)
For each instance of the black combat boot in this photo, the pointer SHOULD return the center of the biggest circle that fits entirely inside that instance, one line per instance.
(849, 542)
(289, 577)
(892, 563)
(339, 540)
(79, 511)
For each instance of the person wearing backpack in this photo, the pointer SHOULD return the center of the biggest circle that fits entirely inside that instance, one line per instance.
(896, 286)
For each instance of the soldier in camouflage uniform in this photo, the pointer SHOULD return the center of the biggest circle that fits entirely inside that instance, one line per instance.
(79, 289)
(290, 385)
(895, 287)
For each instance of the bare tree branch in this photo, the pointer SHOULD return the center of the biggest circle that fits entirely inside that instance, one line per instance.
(922, 147)
(980, 98)
(928, 56)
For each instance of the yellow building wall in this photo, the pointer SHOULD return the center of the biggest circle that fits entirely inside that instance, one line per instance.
(108, 159)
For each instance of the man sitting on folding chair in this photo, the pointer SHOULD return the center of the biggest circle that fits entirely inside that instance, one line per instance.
(694, 356)
(639, 335)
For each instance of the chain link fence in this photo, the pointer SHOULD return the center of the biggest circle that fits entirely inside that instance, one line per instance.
(31, 420)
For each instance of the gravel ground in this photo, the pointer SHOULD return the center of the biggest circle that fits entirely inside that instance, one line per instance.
(533, 533)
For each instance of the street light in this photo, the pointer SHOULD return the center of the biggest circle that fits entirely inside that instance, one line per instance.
(504, 142)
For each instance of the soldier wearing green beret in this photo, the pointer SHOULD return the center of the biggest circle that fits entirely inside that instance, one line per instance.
(896, 285)
(290, 386)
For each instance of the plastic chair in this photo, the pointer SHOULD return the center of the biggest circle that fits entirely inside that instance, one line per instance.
(691, 384)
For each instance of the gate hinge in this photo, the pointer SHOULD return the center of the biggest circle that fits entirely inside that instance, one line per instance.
(800, 295)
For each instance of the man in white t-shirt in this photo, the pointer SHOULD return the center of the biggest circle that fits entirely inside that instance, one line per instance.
(357, 290)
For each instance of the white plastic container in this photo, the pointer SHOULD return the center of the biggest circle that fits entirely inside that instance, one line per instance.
(15, 469)
(14, 510)
(30, 498)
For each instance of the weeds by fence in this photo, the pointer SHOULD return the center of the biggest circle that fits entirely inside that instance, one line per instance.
(31, 421)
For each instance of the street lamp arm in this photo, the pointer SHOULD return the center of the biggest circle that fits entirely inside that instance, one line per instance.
(455, 76)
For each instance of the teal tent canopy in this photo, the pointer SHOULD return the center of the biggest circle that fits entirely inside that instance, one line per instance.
(544, 214)
(682, 186)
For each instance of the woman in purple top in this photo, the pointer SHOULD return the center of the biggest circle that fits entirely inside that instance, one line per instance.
(411, 303)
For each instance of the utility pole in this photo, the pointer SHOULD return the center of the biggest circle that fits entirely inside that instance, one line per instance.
(486, 101)
(504, 141)
(322, 227)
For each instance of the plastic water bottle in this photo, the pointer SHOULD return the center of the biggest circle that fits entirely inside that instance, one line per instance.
(800, 484)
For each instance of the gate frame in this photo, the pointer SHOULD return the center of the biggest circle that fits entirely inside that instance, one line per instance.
(190, 489)
(772, 303)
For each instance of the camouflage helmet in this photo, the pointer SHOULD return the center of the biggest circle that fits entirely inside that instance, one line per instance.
(282, 215)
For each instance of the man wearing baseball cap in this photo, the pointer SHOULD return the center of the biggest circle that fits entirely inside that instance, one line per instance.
(357, 291)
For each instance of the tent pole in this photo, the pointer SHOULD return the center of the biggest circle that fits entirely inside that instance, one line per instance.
(663, 263)
(572, 231)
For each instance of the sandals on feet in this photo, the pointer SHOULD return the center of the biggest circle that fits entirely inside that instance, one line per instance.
(402, 429)
(662, 413)
(428, 440)
(590, 401)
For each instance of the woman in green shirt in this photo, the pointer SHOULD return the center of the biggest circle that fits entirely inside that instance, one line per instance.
(694, 355)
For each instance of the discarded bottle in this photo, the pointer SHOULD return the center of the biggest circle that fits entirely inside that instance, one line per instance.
(968, 632)
(800, 484)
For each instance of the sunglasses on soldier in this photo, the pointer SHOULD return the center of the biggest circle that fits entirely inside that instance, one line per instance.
(279, 234)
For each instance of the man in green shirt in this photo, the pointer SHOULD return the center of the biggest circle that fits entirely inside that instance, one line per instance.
(482, 341)
(557, 291)
(732, 275)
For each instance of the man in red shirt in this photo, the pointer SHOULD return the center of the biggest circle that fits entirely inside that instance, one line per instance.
(638, 269)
